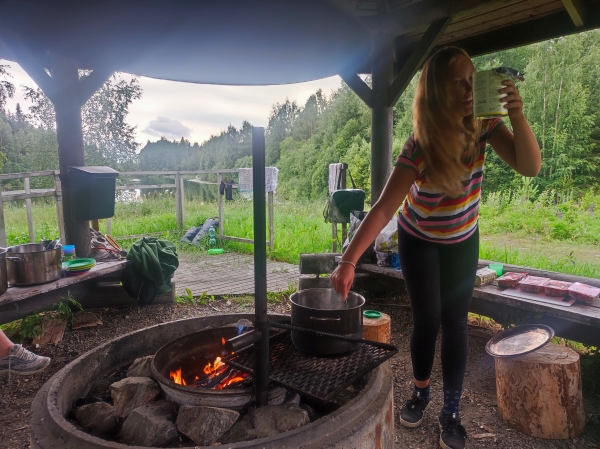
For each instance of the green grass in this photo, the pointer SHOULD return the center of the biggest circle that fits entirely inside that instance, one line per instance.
(300, 228)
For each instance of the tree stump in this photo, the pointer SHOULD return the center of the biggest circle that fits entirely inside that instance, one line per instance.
(539, 393)
(377, 329)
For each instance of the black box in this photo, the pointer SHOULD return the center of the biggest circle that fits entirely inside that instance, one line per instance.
(92, 192)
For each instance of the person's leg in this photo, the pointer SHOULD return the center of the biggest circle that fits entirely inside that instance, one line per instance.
(420, 268)
(18, 360)
(5, 345)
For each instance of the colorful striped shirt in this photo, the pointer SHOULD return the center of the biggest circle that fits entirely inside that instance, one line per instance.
(430, 215)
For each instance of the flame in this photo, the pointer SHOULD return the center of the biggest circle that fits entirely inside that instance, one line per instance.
(223, 341)
(239, 377)
(177, 377)
(212, 368)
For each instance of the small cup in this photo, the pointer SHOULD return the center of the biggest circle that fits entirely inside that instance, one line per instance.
(497, 267)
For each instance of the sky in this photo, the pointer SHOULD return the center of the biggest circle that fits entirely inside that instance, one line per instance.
(193, 111)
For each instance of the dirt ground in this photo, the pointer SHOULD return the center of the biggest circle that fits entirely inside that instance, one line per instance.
(478, 404)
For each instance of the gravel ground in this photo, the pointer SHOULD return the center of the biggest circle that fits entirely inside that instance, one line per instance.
(478, 404)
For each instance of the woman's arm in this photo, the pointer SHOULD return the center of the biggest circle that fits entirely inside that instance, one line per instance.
(393, 194)
(519, 149)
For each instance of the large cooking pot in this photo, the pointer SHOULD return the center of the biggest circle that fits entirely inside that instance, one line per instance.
(3, 276)
(321, 309)
(31, 264)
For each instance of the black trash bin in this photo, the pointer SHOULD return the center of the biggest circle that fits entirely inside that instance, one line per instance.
(92, 192)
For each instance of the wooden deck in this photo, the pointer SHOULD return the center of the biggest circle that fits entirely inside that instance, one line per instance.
(229, 274)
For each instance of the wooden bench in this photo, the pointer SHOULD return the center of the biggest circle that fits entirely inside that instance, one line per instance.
(578, 322)
(99, 287)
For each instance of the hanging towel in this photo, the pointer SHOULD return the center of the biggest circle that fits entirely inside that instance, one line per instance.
(229, 190)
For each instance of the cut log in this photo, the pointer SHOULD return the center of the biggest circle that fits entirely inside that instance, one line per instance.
(377, 329)
(539, 393)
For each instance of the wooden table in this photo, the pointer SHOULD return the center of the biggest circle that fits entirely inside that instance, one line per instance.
(99, 287)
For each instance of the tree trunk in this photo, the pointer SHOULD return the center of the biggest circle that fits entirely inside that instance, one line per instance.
(539, 393)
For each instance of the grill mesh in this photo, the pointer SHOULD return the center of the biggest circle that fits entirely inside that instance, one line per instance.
(321, 378)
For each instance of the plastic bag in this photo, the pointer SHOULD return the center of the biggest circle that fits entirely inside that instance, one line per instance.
(387, 240)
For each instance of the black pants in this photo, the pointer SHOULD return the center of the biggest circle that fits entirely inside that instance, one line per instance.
(440, 279)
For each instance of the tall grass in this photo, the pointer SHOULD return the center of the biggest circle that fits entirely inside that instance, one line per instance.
(300, 228)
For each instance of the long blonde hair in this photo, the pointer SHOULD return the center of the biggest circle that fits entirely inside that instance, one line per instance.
(443, 141)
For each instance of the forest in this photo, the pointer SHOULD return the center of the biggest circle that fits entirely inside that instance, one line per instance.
(561, 95)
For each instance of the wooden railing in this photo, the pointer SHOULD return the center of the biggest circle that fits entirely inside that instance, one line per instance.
(28, 193)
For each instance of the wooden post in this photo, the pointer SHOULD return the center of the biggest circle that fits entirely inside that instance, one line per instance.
(343, 185)
(29, 211)
(333, 237)
(539, 393)
(2, 224)
(271, 220)
(69, 134)
(109, 226)
(220, 202)
(59, 208)
(381, 113)
(178, 201)
(181, 186)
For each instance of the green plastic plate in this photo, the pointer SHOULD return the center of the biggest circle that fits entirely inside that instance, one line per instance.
(372, 314)
(82, 263)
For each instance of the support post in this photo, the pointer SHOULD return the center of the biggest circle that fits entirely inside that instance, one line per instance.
(69, 134)
(271, 221)
(178, 202)
(381, 114)
(181, 187)
(2, 224)
(109, 226)
(333, 237)
(261, 323)
(59, 208)
(29, 211)
(220, 203)
(343, 185)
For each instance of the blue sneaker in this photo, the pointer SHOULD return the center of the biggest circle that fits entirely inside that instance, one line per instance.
(22, 362)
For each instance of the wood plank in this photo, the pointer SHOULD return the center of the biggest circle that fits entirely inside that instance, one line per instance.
(576, 10)
(359, 87)
(14, 294)
(13, 195)
(29, 174)
(154, 186)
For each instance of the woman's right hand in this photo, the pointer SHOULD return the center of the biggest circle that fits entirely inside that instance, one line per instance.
(342, 279)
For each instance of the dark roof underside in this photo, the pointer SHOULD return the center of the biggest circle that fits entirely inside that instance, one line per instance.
(254, 42)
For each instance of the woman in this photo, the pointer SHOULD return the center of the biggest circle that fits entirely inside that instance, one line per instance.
(18, 360)
(437, 179)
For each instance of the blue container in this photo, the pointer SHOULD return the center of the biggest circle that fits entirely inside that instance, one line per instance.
(395, 261)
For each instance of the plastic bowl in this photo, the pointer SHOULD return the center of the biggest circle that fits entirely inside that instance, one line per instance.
(497, 267)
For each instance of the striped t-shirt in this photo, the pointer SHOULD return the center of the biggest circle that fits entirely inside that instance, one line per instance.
(430, 215)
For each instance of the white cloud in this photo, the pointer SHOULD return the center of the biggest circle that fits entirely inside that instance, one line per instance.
(167, 127)
(203, 109)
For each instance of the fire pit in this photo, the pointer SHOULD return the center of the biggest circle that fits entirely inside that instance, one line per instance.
(190, 371)
(364, 421)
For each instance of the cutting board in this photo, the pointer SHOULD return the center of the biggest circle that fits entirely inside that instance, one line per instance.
(540, 297)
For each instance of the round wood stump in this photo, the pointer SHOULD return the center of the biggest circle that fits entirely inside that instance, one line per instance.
(539, 393)
(377, 329)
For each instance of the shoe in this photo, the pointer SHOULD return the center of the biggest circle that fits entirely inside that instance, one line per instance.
(452, 434)
(22, 362)
(411, 414)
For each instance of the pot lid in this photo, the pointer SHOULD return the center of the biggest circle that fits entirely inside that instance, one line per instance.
(519, 340)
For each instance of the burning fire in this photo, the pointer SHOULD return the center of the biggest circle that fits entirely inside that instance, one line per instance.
(212, 368)
(177, 377)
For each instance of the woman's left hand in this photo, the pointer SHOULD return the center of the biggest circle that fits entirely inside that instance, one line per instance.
(514, 102)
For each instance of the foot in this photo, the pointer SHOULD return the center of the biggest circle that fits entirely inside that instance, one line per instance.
(22, 362)
(453, 435)
(411, 414)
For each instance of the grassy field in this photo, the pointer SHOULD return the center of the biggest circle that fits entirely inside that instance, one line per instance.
(537, 234)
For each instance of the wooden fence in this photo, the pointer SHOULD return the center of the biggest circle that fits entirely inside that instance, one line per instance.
(27, 194)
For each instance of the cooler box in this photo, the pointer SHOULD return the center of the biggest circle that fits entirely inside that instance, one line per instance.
(92, 192)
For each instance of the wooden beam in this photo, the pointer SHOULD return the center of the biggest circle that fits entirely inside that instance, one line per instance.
(417, 58)
(576, 10)
(91, 83)
(359, 87)
(28, 60)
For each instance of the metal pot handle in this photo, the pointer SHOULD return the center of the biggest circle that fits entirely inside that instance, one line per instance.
(15, 259)
(324, 319)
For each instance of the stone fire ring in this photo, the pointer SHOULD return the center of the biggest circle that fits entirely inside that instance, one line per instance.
(367, 421)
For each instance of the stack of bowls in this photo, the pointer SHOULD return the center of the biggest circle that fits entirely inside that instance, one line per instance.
(78, 266)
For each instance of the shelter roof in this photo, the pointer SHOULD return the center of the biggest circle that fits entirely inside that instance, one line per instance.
(254, 42)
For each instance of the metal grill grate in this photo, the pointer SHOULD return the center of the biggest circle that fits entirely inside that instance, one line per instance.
(321, 378)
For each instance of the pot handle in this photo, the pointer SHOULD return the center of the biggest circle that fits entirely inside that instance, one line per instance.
(15, 259)
(324, 319)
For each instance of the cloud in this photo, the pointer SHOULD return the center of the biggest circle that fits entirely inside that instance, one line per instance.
(167, 127)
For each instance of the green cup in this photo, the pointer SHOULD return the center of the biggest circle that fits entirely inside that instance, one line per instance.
(497, 267)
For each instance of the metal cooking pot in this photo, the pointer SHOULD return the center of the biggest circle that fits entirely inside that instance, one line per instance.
(3, 277)
(30, 264)
(321, 309)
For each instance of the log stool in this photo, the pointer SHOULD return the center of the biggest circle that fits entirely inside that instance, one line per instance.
(377, 329)
(539, 393)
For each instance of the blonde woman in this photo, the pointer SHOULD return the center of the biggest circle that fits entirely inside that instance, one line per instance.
(436, 183)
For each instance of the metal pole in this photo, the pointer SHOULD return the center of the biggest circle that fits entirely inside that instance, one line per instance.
(2, 224)
(261, 323)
